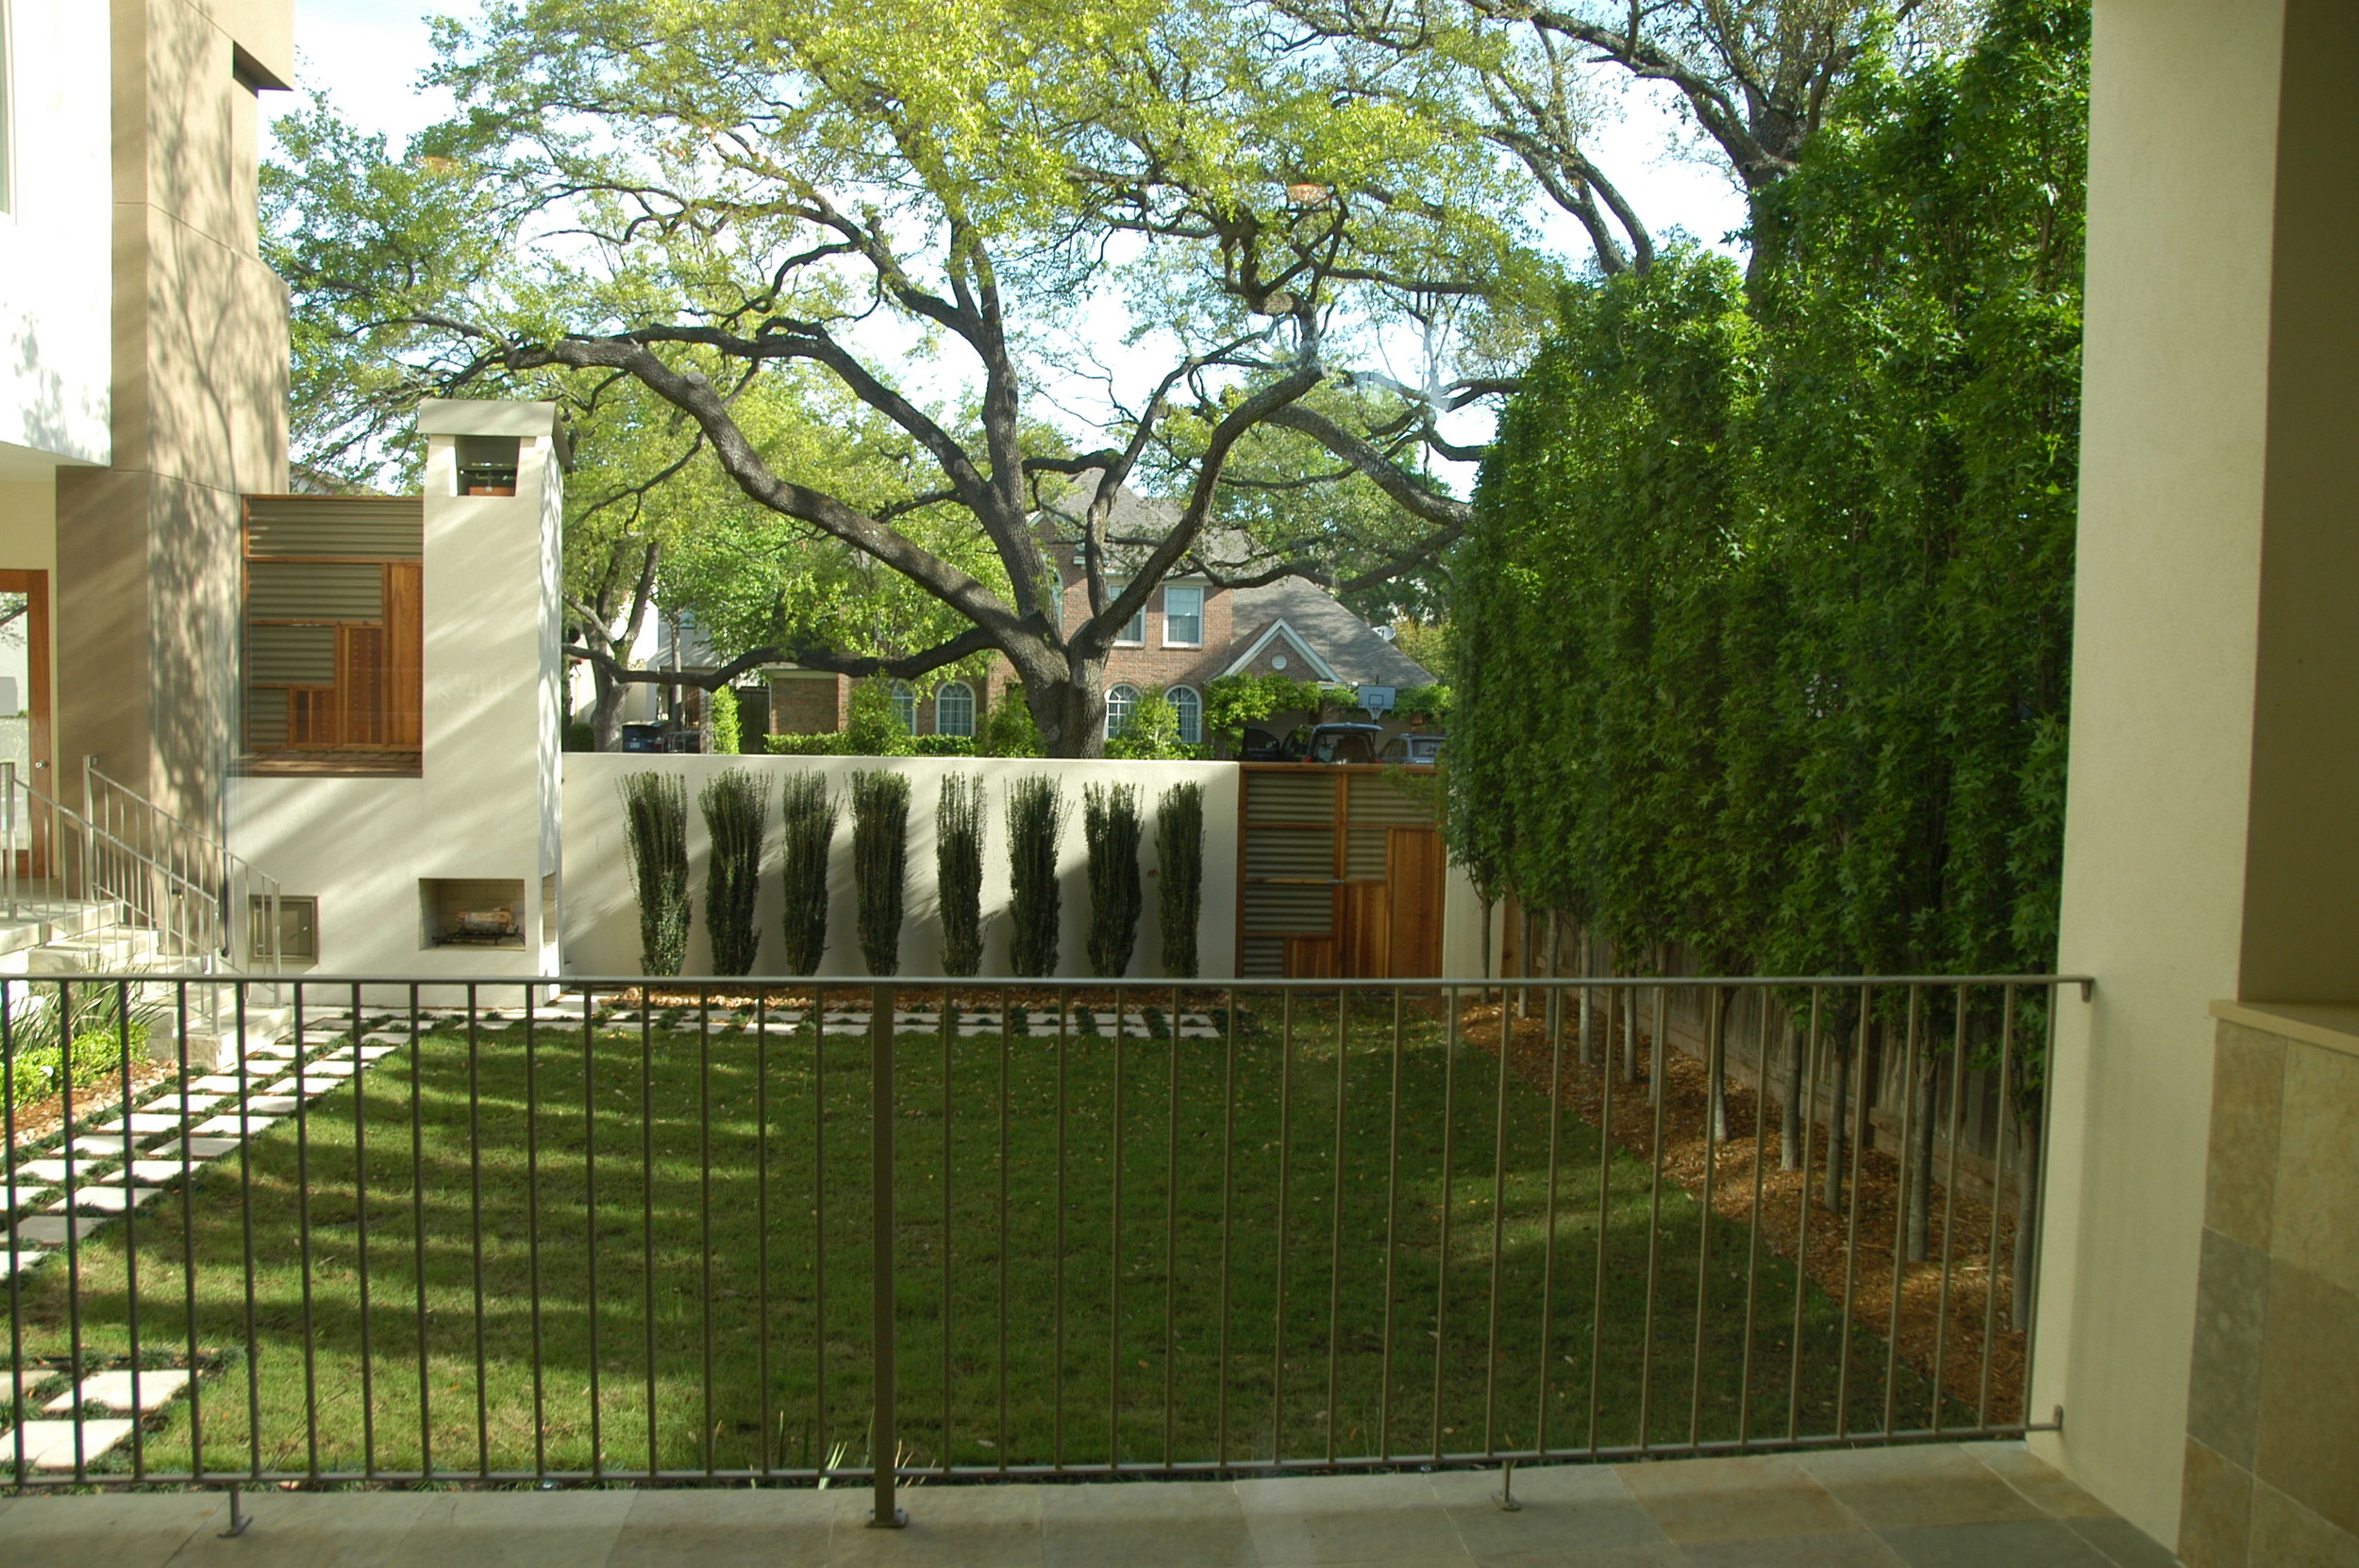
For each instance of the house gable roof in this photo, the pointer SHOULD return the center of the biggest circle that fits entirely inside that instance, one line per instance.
(1275, 630)
(1316, 620)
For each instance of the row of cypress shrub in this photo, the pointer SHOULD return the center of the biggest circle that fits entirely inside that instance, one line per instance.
(736, 812)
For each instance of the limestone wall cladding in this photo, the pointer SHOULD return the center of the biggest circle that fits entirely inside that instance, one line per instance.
(2272, 1453)
(601, 919)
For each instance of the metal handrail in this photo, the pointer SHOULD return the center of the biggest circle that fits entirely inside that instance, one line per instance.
(196, 859)
(72, 857)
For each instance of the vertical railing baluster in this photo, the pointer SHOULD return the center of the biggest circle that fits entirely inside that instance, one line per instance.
(1391, 1237)
(1903, 1194)
(1449, 1142)
(1948, 1212)
(1499, 1205)
(1557, 996)
(1335, 1237)
(884, 1446)
(1604, 1069)
(1285, 1194)
(1998, 1203)
(1812, 1049)
(533, 1236)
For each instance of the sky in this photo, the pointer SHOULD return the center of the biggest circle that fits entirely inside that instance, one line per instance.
(369, 55)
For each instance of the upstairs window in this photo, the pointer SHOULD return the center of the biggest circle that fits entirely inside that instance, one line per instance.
(954, 709)
(334, 628)
(1184, 616)
(1134, 633)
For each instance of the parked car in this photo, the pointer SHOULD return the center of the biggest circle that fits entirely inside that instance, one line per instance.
(642, 737)
(1415, 749)
(1340, 743)
(1259, 746)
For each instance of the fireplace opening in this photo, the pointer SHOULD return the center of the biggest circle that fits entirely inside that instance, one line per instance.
(471, 911)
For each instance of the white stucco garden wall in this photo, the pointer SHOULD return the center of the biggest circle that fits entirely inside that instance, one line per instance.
(486, 803)
(601, 917)
(56, 225)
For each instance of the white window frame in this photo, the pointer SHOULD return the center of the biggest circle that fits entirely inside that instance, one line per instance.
(1128, 699)
(1190, 712)
(1198, 640)
(1133, 635)
(965, 691)
(904, 706)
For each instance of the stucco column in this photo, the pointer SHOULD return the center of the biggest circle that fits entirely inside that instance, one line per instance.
(2211, 832)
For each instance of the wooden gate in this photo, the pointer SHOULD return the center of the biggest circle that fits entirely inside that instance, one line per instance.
(1340, 874)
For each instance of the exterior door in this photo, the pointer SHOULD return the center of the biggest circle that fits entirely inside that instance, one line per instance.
(31, 830)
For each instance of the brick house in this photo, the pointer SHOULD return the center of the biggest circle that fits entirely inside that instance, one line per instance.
(1192, 631)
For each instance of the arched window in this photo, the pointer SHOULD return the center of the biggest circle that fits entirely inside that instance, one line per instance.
(1190, 707)
(1120, 701)
(954, 709)
(904, 706)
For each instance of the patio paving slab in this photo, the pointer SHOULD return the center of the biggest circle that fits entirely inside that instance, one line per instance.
(49, 1445)
(157, 1387)
(1572, 1516)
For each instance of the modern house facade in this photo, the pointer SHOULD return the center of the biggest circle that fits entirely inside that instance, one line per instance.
(143, 389)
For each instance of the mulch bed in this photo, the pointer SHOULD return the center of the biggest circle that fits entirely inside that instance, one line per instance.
(1923, 1334)
(37, 1121)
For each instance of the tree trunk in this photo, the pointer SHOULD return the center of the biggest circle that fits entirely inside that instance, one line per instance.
(1837, 1134)
(1588, 1012)
(1485, 952)
(1070, 709)
(605, 711)
(2026, 1221)
(1721, 1002)
(1921, 1163)
(1790, 1108)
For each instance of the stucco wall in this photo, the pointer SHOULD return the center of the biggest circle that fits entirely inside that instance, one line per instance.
(55, 266)
(2210, 847)
(601, 918)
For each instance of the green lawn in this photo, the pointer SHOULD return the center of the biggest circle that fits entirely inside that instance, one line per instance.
(680, 1321)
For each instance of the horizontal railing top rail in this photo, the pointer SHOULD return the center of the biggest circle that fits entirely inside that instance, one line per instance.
(1231, 1227)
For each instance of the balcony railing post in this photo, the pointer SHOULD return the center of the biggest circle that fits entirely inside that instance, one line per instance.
(885, 1439)
(8, 831)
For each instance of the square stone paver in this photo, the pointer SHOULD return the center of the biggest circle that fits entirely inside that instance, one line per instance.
(200, 1150)
(13, 1263)
(186, 1104)
(158, 1386)
(25, 1382)
(233, 1126)
(104, 1200)
(1908, 1487)
(113, 1147)
(49, 1445)
(45, 1231)
(269, 1105)
(51, 1172)
(1734, 1499)
(144, 1124)
(157, 1170)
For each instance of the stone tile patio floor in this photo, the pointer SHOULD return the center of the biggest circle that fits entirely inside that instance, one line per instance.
(1973, 1506)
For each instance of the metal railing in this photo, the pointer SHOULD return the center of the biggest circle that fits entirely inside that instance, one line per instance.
(826, 1232)
(207, 908)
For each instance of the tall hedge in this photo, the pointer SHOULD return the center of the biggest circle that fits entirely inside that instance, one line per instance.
(1762, 621)
(655, 831)
(881, 821)
(1111, 829)
(807, 838)
(1036, 814)
(958, 826)
(1180, 875)
(737, 820)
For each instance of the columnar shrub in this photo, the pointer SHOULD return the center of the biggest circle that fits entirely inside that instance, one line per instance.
(807, 832)
(655, 824)
(1179, 870)
(737, 818)
(727, 733)
(1037, 813)
(1110, 824)
(881, 822)
(959, 871)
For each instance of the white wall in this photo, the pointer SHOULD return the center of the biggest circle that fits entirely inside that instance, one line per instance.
(601, 918)
(56, 252)
(487, 801)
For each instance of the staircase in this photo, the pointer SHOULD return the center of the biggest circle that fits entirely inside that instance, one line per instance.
(123, 887)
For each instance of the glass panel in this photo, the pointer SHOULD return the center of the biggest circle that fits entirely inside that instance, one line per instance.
(1184, 617)
(1119, 702)
(1191, 710)
(904, 706)
(954, 709)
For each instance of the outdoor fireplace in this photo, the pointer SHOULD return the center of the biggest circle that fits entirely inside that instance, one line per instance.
(468, 912)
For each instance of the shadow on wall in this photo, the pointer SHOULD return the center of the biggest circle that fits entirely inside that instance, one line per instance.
(601, 917)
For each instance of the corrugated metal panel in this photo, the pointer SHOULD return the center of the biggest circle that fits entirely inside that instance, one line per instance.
(1290, 852)
(1364, 854)
(377, 527)
(291, 656)
(1290, 797)
(265, 718)
(1306, 911)
(314, 591)
(1376, 798)
(1265, 957)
